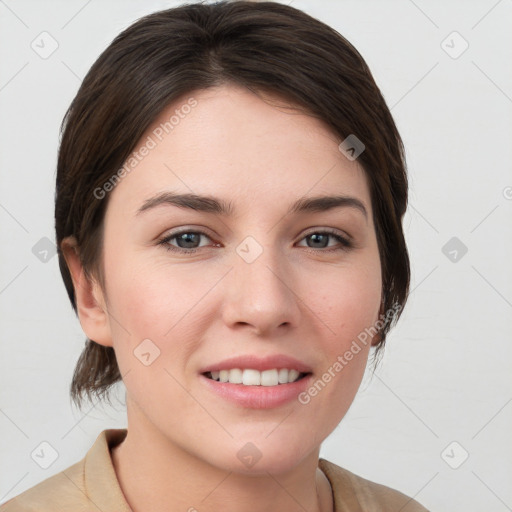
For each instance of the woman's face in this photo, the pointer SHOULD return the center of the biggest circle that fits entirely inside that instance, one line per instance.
(190, 287)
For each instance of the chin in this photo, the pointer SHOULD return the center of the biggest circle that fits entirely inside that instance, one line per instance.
(260, 456)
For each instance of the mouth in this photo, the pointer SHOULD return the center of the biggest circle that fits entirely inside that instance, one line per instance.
(252, 377)
(274, 382)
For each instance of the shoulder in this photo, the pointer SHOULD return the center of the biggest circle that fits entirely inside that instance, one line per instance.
(90, 484)
(63, 491)
(354, 493)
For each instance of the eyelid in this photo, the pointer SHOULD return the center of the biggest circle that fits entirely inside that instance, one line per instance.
(187, 229)
(331, 231)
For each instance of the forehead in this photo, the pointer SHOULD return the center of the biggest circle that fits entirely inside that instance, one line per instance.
(229, 142)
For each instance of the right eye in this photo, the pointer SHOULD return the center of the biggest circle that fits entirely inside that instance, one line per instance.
(186, 241)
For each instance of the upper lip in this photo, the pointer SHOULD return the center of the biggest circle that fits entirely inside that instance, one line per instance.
(258, 363)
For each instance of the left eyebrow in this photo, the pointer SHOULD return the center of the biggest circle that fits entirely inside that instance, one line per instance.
(210, 204)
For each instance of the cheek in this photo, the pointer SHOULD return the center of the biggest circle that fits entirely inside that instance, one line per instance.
(153, 311)
(161, 302)
(151, 297)
(350, 314)
(350, 309)
(350, 302)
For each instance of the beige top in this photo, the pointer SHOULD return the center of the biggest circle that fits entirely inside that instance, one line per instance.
(91, 485)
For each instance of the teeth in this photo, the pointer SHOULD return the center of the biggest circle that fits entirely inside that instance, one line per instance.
(282, 377)
(250, 377)
(269, 378)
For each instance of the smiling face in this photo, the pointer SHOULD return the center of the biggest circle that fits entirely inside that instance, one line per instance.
(255, 270)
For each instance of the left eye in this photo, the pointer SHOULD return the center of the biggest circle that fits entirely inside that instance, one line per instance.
(322, 238)
(187, 241)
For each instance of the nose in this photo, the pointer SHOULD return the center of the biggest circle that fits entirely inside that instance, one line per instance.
(260, 294)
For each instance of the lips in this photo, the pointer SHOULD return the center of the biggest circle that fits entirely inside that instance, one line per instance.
(258, 363)
(257, 397)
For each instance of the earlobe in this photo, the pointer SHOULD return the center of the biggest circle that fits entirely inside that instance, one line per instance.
(89, 297)
(376, 339)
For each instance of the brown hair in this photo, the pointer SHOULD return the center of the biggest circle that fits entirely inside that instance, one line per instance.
(263, 46)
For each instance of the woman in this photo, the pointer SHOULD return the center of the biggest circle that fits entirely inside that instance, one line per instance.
(229, 197)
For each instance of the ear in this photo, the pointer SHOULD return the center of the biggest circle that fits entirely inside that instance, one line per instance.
(89, 297)
(376, 339)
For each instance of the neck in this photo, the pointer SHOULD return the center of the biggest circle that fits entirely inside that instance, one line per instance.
(156, 475)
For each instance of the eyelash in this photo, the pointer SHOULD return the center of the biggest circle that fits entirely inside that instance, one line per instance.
(345, 243)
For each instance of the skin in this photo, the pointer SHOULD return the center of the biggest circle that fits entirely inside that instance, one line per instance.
(295, 298)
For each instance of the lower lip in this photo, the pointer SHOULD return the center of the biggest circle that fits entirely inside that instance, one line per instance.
(258, 397)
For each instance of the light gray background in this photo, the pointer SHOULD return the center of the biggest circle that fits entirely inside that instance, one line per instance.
(445, 376)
